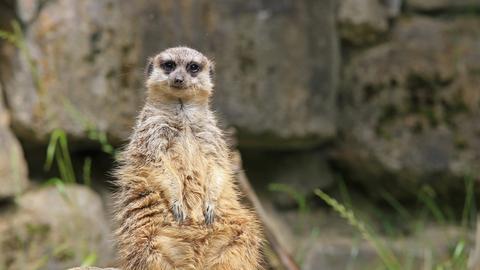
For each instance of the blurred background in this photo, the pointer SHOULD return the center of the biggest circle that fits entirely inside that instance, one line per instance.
(357, 120)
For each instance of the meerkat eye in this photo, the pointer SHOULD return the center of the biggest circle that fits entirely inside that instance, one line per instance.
(168, 66)
(194, 67)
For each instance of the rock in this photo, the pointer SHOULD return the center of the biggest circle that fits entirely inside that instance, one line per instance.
(260, 89)
(393, 7)
(340, 254)
(13, 168)
(78, 71)
(86, 72)
(363, 21)
(411, 106)
(55, 228)
(324, 240)
(328, 241)
(336, 252)
(431, 5)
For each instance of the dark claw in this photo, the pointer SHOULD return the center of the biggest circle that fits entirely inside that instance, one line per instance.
(178, 212)
(209, 215)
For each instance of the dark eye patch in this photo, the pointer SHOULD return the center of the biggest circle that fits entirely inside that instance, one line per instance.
(168, 66)
(194, 67)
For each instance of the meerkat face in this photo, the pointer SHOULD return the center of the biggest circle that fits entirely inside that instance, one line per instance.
(180, 72)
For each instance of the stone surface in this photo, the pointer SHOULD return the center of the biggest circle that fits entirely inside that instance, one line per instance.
(324, 240)
(363, 21)
(55, 228)
(277, 65)
(77, 71)
(442, 4)
(13, 168)
(340, 254)
(336, 252)
(411, 106)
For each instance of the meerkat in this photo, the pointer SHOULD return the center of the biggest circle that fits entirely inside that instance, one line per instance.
(178, 206)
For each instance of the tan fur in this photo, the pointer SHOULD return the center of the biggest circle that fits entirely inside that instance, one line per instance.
(177, 205)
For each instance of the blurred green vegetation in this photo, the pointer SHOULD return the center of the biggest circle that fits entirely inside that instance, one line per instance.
(416, 220)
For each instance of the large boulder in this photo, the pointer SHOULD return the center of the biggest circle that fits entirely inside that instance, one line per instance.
(411, 106)
(277, 64)
(13, 168)
(73, 69)
(55, 228)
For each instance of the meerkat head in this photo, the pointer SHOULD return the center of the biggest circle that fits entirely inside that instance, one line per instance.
(180, 72)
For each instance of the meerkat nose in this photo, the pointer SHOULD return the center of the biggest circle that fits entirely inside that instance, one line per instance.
(178, 80)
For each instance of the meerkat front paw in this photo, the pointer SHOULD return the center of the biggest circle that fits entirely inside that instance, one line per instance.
(209, 213)
(179, 212)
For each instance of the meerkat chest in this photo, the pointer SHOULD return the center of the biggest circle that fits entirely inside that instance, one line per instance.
(184, 137)
(187, 144)
(188, 147)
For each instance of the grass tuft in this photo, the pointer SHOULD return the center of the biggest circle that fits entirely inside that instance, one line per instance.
(58, 150)
(385, 254)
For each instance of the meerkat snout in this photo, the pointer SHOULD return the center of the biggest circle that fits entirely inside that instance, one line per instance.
(178, 81)
(180, 72)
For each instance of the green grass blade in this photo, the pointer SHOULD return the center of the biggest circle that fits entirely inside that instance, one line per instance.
(59, 185)
(385, 254)
(297, 196)
(427, 196)
(51, 149)
(89, 260)
(347, 200)
(10, 37)
(65, 153)
(395, 204)
(468, 214)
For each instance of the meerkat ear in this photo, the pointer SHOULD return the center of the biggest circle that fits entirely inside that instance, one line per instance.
(149, 68)
(212, 69)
